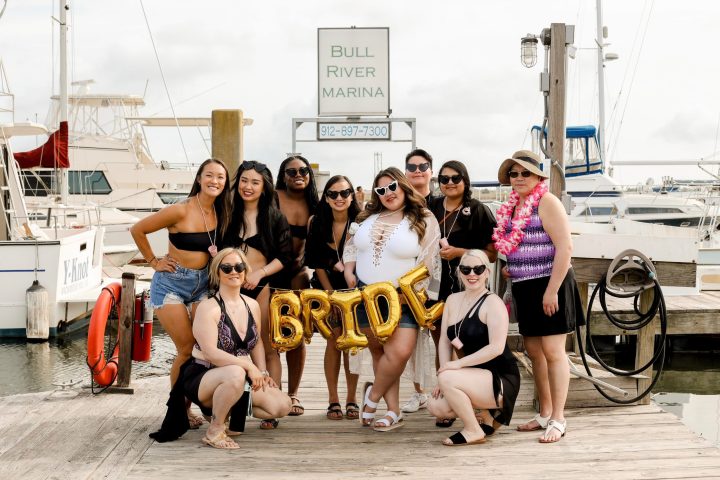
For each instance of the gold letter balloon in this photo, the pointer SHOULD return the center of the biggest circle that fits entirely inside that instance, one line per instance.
(319, 315)
(416, 300)
(382, 328)
(290, 321)
(351, 339)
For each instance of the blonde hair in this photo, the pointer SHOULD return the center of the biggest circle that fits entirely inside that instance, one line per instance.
(214, 272)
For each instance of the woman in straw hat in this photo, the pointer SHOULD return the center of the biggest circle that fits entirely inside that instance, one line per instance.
(534, 235)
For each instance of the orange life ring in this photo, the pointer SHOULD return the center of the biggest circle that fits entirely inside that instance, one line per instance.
(104, 370)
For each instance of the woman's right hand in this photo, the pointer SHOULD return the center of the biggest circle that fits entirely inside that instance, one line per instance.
(165, 264)
(256, 378)
(436, 393)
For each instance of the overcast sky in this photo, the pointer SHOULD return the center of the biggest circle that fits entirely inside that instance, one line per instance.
(455, 67)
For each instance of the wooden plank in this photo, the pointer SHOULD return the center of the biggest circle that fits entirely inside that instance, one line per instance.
(645, 346)
(590, 270)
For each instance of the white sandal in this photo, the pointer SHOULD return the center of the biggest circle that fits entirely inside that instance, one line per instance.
(553, 424)
(541, 421)
(387, 425)
(367, 403)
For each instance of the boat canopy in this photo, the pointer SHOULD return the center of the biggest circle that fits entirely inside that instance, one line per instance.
(581, 143)
(52, 154)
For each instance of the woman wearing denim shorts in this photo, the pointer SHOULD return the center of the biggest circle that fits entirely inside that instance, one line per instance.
(195, 227)
(396, 234)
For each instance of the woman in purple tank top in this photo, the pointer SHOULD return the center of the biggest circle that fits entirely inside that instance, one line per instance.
(533, 233)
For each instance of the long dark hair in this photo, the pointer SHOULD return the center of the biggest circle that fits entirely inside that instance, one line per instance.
(322, 223)
(459, 167)
(266, 206)
(311, 193)
(414, 207)
(222, 201)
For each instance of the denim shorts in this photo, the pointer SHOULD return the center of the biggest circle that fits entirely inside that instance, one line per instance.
(407, 320)
(184, 286)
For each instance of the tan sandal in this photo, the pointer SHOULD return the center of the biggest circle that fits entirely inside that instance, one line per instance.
(221, 441)
(297, 408)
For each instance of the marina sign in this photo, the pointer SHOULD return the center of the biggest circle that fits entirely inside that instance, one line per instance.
(353, 71)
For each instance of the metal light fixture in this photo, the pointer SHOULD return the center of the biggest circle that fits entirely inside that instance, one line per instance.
(528, 50)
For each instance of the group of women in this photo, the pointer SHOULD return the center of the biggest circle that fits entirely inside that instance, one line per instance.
(256, 237)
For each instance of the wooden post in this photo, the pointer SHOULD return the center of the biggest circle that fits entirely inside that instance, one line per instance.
(125, 329)
(556, 121)
(227, 137)
(645, 347)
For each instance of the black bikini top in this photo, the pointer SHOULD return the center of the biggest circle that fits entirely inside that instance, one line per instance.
(193, 241)
(298, 231)
(254, 242)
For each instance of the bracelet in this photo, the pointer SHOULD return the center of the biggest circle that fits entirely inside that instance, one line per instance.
(265, 373)
(265, 272)
(151, 260)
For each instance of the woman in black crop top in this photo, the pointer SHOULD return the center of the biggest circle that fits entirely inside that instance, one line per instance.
(228, 357)
(327, 234)
(261, 232)
(297, 199)
(195, 227)
(485, 375)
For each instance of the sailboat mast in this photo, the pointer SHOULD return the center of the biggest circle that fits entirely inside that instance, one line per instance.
(601, 81)
(64, 191)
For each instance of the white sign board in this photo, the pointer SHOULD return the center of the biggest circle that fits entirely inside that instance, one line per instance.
(353, 71)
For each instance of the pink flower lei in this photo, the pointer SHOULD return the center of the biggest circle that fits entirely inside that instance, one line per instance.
(507, 243)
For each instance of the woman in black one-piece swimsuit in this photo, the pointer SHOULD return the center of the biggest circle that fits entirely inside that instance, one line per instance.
(485, 376)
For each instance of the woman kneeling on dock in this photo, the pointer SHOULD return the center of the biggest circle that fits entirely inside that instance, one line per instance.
(533, 233)
(485, 376)
(228, 358)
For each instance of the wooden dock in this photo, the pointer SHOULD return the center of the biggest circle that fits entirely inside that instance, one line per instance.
(75, 435)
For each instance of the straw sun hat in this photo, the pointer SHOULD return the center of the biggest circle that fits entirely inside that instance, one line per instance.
(526, 159)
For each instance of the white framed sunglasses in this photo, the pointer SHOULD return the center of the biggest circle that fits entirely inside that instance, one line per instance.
(382, 191)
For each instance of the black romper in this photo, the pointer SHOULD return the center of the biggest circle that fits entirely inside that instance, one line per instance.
(473, 334)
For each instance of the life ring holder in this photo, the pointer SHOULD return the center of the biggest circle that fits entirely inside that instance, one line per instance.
(103, 369)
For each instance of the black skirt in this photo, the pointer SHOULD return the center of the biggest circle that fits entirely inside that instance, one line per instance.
(527, 307)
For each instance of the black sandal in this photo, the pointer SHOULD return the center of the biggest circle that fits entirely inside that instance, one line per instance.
(352, 410)
(445, 422)
(334, 411)
(457, 439)
(269, 424)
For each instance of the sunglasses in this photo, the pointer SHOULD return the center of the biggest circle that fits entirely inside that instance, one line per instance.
(411, 167)
(382, 191)
(253, 165)
(292, 172)
(227, 268)
(445, 179)
(524, 173)
(333, 194)
(477, 269)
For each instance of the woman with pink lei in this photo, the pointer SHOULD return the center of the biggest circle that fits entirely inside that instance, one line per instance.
(533, 233)
(485, 375)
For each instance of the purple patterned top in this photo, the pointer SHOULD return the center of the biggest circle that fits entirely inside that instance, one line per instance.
(534, 257)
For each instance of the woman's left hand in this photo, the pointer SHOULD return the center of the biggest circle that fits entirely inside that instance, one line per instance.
(454, 365)
(550, 303)
(252, 279)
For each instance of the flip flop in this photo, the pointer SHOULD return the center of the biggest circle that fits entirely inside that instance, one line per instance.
(297, 408)
(457, 439)
(269, 424)
(352, 410)
(444, 422)
(334, 411)
(195, 421)
(539, 419)
(221, 441)
(557, 425)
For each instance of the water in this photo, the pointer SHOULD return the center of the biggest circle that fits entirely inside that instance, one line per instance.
(688, 388)
(38, 367)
